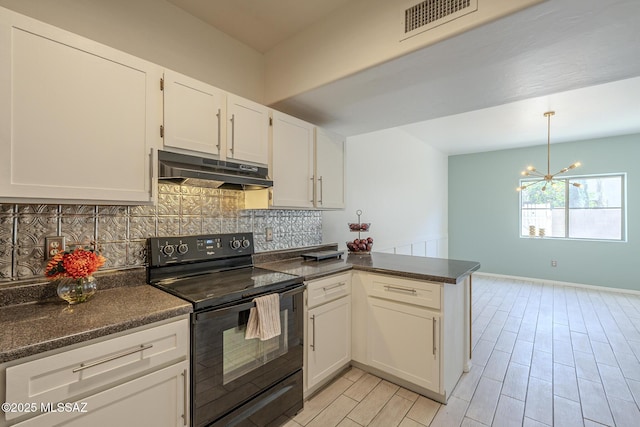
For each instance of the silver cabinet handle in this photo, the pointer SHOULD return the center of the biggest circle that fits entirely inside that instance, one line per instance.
(185, 401)
(320, 199)
(337, 285)
(434, 335)
(218, 144)
(113, 357)
(313, 177)
(313, 332)
(399, 289)
(233, 133)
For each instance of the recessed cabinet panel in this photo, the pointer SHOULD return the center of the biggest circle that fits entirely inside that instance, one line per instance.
(403, 340)
(292, 162)
(329, 170)
(192, 114)
(247, 130)
(329, 339)
(78, 119)
(152, 400)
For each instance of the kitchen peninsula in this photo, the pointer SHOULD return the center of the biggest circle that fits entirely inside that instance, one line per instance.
(409, 318)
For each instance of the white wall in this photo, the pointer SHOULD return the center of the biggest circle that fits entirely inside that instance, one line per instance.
(400, 184)
(159, 32)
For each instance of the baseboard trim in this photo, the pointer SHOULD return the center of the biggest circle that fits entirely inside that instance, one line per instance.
(558, 283)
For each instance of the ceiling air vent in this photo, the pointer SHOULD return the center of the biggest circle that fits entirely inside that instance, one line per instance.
(431, 13)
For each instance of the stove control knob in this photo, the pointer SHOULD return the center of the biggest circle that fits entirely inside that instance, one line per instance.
(183, 248)
(168, 250)
(245, 243)
(235, 244)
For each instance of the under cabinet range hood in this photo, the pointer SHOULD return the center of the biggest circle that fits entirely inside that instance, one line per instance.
(205, 172)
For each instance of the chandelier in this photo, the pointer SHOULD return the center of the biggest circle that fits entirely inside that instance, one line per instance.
(548, 177)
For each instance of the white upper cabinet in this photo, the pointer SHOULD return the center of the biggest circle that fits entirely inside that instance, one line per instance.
(292, 162)
(329, 176)
(193, 114)
(247, 130)
(78, 120)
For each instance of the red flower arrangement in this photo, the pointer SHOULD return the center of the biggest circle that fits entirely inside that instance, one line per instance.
(75, 264)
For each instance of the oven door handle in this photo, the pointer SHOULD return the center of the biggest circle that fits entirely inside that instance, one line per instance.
(245, 306)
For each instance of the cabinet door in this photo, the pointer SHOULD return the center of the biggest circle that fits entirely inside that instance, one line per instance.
(192, 114)
(329, 170)
(78, 119)
(158, 399)
(403, 340)
(292, 162)
(328, 339)
(247, 130)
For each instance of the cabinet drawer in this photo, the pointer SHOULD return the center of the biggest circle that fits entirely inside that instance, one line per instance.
(415, 292)
(328, 289)
(64, 375)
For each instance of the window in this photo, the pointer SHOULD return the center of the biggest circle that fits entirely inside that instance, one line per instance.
(594, 211)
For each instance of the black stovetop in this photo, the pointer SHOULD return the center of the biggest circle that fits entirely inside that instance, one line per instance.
(220, 288)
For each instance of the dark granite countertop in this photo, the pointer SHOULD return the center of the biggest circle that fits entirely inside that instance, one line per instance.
(421, 268)
(35, 327)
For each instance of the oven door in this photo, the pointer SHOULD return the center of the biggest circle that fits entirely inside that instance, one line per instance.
(229, 371)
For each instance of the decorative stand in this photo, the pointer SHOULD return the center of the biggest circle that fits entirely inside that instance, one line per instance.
(360, 245)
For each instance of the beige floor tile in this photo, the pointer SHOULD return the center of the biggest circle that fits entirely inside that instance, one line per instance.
(467, 383)
(497, 365)
(333, 414)
(485, 400)
(594, 402)
(346, 422)
(539, 403)
(353, 374)
(566, 413)
(510, 412)
(423, 410)
(408, 422)
(369, 407)
(516, 381)
(361, 388)
(392, 413)
(565, 383)
(407, 394)
(321, 400)
(450, 414)
(625, 413)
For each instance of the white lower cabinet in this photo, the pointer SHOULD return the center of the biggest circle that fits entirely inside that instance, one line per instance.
(404, 341)
(132, 379)
(156, 399)
(411, 332)
(328, 327)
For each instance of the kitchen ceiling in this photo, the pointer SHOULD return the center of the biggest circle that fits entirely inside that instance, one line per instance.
(486, 89)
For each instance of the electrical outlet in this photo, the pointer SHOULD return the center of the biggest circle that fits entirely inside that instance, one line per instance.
(53, 245)
(268, 234)
(554, 263)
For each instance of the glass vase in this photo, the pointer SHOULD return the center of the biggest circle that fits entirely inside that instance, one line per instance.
(75, 291)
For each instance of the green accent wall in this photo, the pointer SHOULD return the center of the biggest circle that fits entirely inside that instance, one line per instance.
(484, 214)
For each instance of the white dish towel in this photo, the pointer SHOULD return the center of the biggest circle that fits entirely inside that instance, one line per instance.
(264, 318)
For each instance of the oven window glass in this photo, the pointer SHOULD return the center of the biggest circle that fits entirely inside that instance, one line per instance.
(241, 355)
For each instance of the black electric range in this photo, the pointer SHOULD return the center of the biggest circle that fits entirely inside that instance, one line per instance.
(234, 380)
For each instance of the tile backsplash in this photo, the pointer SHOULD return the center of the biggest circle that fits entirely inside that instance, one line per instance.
(121, 231)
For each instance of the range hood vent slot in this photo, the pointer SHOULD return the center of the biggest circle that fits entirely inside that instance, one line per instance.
(206, 172)
(431, 13)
